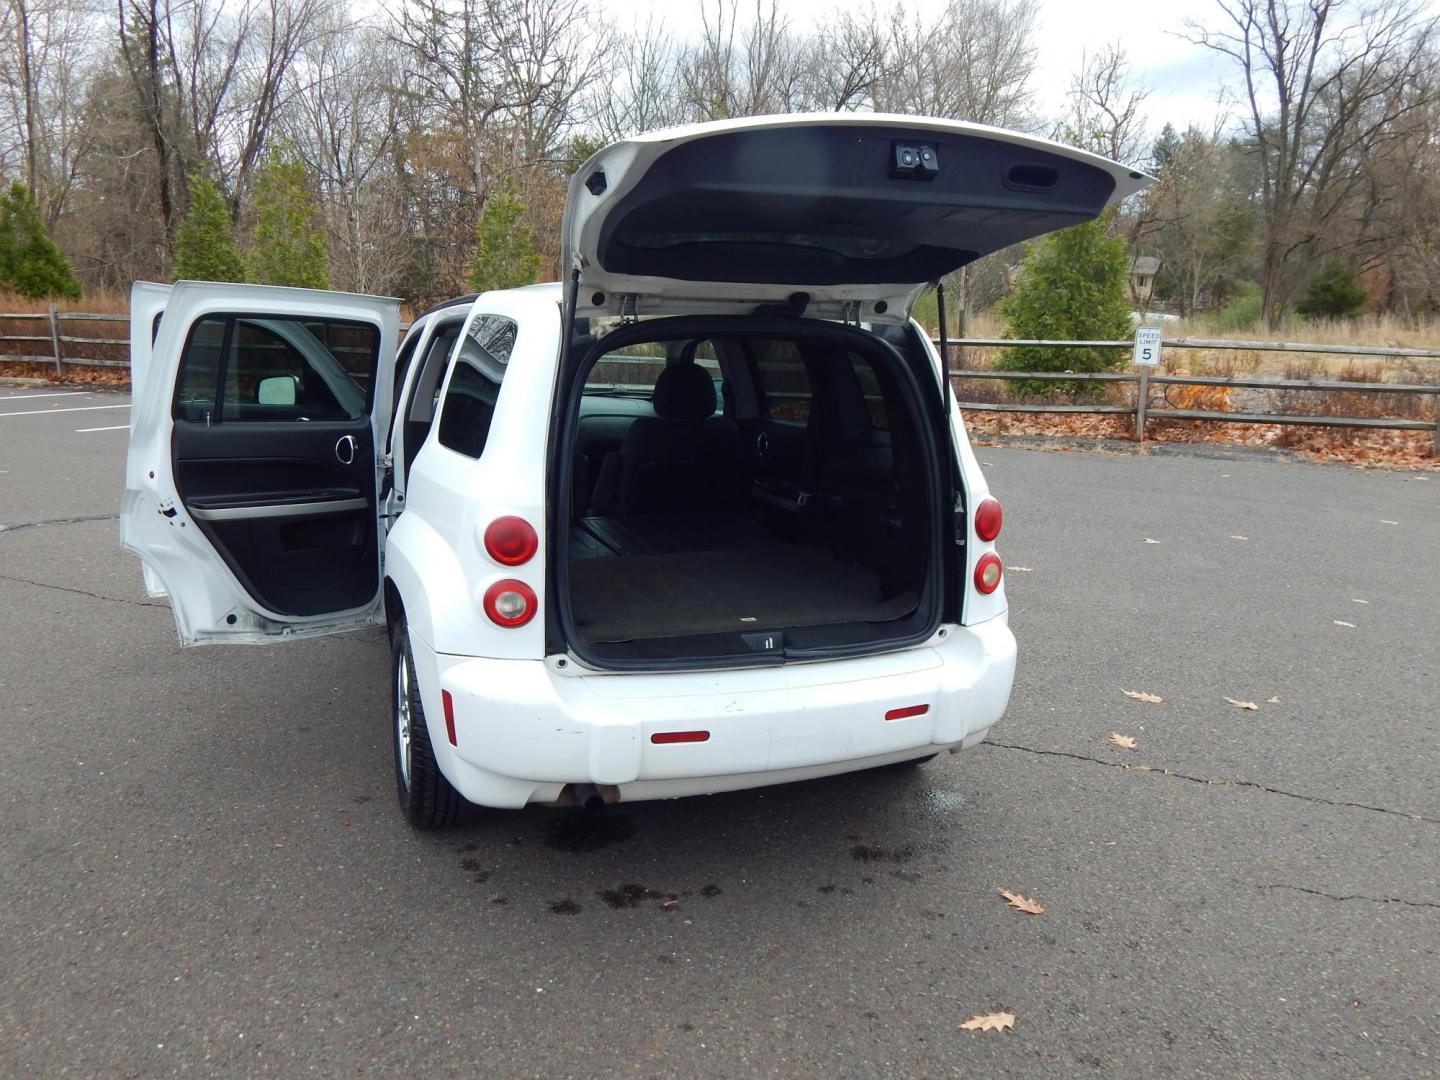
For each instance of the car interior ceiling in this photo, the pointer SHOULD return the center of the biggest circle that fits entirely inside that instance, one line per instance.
(746, 486)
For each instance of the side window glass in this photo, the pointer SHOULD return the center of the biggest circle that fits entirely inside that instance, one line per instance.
(255, 368)
(474, 385)
(784, 381)
(872, 391)
(402, 363)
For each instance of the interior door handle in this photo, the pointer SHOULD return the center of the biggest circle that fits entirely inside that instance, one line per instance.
(345, 449)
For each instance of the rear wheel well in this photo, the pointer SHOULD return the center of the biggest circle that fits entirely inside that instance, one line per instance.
(394, 606)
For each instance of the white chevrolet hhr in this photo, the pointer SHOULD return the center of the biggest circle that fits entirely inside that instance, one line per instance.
(701, 517)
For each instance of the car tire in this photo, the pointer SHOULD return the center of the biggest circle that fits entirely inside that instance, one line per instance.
(427, 799)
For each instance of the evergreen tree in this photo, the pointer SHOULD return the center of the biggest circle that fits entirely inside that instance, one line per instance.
(205, 242)
(1072, 286)
(505, 255)
(30, 263)
(289, 243)
(1335, 293)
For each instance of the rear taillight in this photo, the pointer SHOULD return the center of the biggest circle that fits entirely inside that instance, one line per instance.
(987, 520)
(510, 541)
(987, 572)
(510, 603)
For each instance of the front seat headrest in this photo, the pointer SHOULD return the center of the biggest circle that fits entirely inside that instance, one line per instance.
(684, 392)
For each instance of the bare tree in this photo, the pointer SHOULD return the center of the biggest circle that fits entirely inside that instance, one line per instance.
(211, 82)
(344, 118)
(1325, 84)
(45, 67)
(973, 62)
(643, 93)
(851, 59)
(744, 68)
(1105, 103)
(479, 65)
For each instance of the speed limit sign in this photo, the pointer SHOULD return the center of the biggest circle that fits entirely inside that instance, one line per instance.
(1147, 346)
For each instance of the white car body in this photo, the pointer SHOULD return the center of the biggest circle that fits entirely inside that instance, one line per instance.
(527, 722)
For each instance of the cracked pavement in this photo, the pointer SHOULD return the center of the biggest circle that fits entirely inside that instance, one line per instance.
(205, 872)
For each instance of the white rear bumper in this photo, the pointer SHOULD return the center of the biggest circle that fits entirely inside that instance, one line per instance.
(526, 728)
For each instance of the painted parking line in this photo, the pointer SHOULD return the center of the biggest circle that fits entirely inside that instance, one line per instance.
(117, 427)
(51, 412)
(32, 397)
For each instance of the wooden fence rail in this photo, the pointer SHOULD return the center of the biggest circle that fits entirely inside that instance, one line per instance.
(1141, 409)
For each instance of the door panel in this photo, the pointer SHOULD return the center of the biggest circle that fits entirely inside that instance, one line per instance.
(251, 482)
(289, 517)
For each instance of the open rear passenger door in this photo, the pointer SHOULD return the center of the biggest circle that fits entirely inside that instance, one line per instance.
(251, 479)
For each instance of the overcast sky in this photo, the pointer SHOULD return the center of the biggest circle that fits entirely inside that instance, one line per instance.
(1184, 79)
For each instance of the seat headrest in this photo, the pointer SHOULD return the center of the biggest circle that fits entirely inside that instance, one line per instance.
(684, 392)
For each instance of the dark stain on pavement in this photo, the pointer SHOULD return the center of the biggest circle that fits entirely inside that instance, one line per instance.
(578, 833)
(867, 853)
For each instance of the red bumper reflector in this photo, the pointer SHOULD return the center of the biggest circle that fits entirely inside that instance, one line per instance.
(449, 704)
(663, 737)
(908, 710)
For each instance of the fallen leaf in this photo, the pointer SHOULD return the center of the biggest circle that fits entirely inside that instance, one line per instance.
(991, 1021)
(1022, 903)
(1125, 742)
(1141, 695)
(1243, 704)
(1236, 536)
(1341, 622)
(1149, 541)
(1273, 700)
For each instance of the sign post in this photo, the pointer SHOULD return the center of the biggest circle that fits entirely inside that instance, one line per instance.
(1146, 356)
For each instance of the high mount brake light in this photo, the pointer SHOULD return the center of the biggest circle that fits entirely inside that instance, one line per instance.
(511, 541)
(988, 572)
(987, 520)
(510, 603)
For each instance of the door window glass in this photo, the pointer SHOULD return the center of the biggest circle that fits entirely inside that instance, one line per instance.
(784, 380)
(249, 368)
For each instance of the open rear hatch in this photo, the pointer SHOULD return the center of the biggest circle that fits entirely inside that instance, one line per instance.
(841, 209)
(743, 511)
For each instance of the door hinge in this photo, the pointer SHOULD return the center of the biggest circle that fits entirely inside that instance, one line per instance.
(629, 302)
(852, 313)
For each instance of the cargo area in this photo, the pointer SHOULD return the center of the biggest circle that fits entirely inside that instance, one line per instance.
(749, 495)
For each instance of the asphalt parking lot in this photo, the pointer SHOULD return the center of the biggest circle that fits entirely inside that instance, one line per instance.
(204, 872)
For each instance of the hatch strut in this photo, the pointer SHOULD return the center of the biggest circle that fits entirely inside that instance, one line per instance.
(944, 347)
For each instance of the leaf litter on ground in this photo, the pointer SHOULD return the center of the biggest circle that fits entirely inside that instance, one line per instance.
(991, 1021)
(1248, 705)
(1141, 695)
(1125, 742)
(1022, 903)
